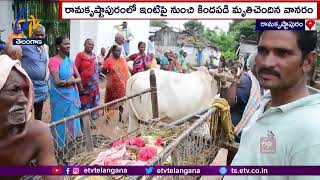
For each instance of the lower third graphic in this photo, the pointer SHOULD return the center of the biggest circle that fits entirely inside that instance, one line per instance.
(149, 170)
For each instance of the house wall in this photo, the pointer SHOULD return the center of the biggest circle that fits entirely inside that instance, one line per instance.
(80, 30)
(244, 50)
(103, 32)
(247, 48)
(166, 38)
(6, 18)
(192, 54)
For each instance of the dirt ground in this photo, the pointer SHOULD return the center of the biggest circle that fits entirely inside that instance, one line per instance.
(46, 114)
(114, 129)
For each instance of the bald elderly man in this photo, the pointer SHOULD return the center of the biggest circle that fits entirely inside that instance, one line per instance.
(22, 139)
(119, 40)
(13, 51)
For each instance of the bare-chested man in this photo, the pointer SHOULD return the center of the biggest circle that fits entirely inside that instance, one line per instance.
(21, 139)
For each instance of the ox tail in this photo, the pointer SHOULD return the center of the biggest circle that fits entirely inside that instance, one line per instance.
(129, 89)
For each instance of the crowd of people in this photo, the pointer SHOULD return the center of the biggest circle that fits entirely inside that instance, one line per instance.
(73, 85)
(280, 66)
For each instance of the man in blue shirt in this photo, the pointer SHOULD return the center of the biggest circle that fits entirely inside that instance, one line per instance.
(238, 93)
(35, 62)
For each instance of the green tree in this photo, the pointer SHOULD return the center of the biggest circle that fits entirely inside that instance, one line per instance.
(194, 26)
(158, 23)
(245, 28)
(224, 40)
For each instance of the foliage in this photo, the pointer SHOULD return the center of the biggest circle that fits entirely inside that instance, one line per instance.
(194, 26)
(244, 28)
(196, 43)
(229, 54)
(225, 42)
(158, 23)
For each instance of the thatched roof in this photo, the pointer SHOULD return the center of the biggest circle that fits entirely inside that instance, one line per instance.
(187, 39)
(191, 40)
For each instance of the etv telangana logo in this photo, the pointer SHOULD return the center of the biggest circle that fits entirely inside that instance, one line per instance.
(32, 23)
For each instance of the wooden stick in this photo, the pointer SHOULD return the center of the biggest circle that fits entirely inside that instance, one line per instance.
(154, 97)
(234, 146)
(87, 132)
(83, 113)
(185, 119)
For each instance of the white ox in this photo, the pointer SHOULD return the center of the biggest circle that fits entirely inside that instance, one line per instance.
(130, 65)
(178, 95)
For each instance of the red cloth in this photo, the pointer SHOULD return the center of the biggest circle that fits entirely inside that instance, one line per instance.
(86, 66)
(88, 69)
(139, 62)
(117, 77)
(171, 65)
(119, 143)
(133, 56)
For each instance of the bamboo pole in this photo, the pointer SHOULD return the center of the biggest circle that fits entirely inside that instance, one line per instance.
(234, 146)
(83, 113)
(87, 132)
(185, 119)
(154, 97)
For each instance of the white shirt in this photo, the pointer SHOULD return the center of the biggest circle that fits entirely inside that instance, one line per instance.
(151, 48)
(101, 58)
(286, 135)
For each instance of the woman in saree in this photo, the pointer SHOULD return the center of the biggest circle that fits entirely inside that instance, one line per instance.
(117, 74)
(141, 61)
(64, 95)
(88, 68)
